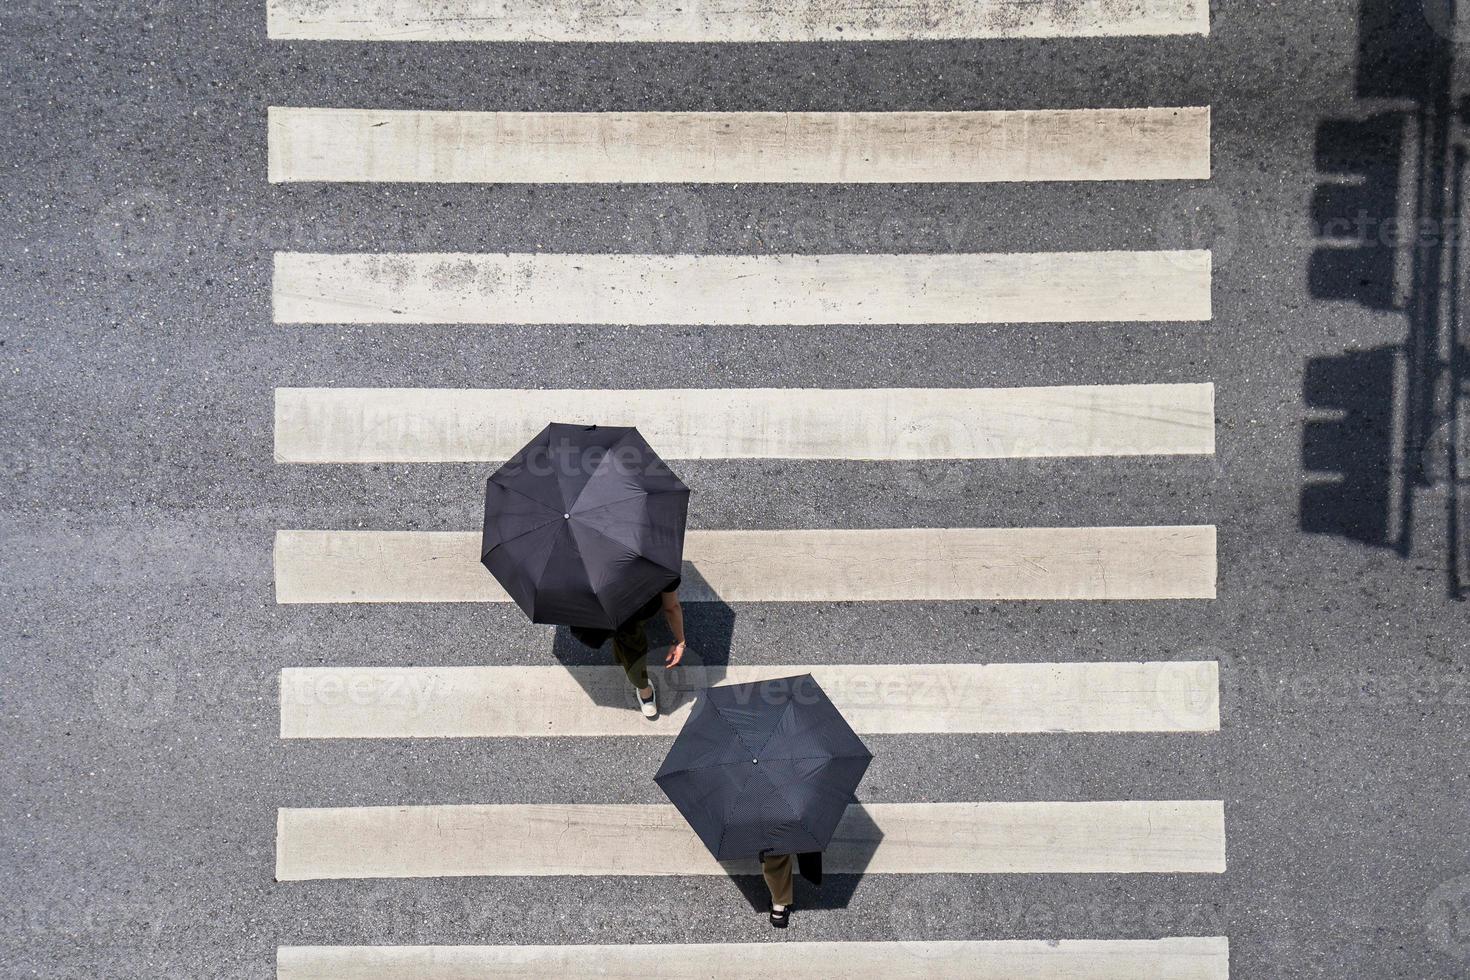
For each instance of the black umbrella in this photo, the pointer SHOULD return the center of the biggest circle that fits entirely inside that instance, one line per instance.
(769, 766)
(584, 525)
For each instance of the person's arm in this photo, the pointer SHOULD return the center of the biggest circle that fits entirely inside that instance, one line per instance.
(674, 613)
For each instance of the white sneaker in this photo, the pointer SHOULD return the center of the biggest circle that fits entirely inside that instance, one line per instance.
(649, 707)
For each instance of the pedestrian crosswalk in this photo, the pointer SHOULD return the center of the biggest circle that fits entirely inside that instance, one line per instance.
(529, 702)
(1144, 285)
(1201, 958)
(739, 147)
(730, 20)
(1110, 837)
(445, 425)
(829, 565)
(743, 290)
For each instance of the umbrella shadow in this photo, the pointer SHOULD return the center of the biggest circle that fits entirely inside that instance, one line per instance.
(846, 860)
(709, 629)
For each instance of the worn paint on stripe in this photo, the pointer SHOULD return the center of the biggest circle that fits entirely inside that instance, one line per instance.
(479, 702)
(543, 21)
(396, 145)
(1184, 958)
(935, 564)
(441, 425)
(742, 290)
(1126, 837)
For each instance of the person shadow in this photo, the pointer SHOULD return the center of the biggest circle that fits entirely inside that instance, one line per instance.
(709, 631)
(844, 863)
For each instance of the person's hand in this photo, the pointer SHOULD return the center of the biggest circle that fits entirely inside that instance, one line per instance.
(676, 654)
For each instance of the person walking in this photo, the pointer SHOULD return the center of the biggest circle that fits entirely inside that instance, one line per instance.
(766, 770)
(630, 643)
(776, 869)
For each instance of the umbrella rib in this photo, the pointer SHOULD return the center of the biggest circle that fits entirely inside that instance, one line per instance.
(734, 799)
(721, 765)
(582, 526)
(517, 537)
(733, 730)
(794, 809)
(769, 781)
(605, 506)
(520, 493)
(601, 467)
(621, 544)
(772, 734)
(636, 493)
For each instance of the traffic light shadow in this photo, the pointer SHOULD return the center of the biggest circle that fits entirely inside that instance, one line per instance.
(1387, 422)
(1349, 456)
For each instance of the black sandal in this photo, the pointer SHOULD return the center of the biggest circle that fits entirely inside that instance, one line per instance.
(779, 919)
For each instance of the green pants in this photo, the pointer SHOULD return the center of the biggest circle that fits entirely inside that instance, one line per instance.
(630, 648)
(776, 868)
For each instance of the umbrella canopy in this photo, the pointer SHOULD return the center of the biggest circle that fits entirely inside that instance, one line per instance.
(584, 525)
(769, 766)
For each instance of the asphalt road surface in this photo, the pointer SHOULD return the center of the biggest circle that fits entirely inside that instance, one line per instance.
(1325, 695)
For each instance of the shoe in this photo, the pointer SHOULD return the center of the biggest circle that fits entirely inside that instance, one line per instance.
(780, 919)
(649, 707)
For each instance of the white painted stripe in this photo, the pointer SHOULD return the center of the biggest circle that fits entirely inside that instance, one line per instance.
(742, 290)
(1185, 958)
(694, 21)
(1125, 837)
(479, 702)
(902, 564)
(441, 425)
(314, 144)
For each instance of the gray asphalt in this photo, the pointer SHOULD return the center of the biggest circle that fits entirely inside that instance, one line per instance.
(139, 711)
